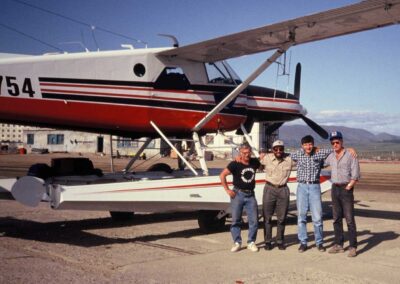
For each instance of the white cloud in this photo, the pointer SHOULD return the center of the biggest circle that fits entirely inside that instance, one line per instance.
(374, 122)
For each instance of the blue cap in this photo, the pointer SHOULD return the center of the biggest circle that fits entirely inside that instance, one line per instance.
(335, 135)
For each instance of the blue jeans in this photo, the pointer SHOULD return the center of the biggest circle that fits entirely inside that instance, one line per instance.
(249, 203)
(309, 198)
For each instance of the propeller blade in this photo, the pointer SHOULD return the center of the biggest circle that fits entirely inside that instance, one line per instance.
(297, 79)
(314, 126)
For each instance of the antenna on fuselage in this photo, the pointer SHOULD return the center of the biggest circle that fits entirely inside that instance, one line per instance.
(76, 42)
(173, 38)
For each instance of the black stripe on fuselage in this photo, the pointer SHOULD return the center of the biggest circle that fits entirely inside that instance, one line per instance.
(95, 82)
(218, 91)
(215, 89)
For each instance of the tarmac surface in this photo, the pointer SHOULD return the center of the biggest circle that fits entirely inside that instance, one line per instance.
(41, 245)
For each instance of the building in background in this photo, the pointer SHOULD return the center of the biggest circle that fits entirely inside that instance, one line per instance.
(11, 137)
(42, 140)
(37, 139)
(10, 133)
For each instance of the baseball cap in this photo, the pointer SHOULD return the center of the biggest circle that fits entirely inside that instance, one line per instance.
(335, 135)
(278, 143)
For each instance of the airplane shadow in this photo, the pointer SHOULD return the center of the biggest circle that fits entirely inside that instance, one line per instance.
(372, 240)
(76, 232)
(366, 244)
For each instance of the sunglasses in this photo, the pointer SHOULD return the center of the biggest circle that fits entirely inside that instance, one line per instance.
(335, 142)
(278, 149)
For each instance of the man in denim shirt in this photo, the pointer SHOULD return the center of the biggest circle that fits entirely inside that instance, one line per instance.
(345, 171)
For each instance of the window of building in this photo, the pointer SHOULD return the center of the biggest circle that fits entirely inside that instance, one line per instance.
(123, 142)
(30, 138)
(55, 139)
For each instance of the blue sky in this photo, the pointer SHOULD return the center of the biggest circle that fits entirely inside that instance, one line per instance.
(350, 80)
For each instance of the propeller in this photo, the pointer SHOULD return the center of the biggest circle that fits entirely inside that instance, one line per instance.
(314, 126)
(248, 125)
(297, 79)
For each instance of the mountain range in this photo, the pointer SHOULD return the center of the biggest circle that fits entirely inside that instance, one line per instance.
(292, 134)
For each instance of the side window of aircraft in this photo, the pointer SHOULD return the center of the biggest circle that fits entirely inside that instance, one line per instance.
(172, 78)
(221, 73)
(139, 70)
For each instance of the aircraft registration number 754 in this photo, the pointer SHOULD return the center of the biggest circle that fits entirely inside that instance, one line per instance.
(14, 88)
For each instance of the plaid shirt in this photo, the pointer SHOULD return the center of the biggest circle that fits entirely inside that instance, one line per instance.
(309, 166)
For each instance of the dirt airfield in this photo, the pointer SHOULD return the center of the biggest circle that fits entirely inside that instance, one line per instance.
(41, 245)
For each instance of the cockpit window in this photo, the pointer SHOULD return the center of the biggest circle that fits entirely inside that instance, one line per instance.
(172, 78)
(221, 73)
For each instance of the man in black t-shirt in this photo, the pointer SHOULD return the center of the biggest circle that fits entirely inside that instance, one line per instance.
(242, 196)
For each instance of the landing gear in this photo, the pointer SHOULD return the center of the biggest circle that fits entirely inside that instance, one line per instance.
(211, 220)
(119, 216)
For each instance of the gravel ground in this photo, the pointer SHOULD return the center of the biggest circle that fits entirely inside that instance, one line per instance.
(41, 245)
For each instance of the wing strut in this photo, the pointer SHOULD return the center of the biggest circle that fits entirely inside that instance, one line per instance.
(137, 155)
(250, 141)
(235, 92)
(173, 147)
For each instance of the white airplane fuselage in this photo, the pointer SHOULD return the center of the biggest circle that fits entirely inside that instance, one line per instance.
(120, 92)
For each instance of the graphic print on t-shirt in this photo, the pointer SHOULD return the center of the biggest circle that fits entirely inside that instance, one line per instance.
(247, 175)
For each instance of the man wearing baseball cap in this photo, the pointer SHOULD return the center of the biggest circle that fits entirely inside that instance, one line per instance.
(278, 166)
(345, 172)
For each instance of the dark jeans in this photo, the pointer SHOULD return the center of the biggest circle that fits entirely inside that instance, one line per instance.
(343, 206)
(275, 200)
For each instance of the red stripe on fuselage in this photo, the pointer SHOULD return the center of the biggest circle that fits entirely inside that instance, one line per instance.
(104, 116)
(289, 101)
(191, 186)
(126, 88)
(276, 109)
(199, 101)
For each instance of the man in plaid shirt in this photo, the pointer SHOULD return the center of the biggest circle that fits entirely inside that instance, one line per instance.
(309, 164)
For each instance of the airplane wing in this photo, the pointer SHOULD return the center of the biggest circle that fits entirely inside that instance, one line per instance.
(358, 17)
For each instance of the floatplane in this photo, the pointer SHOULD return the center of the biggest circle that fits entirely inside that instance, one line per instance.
(176, 91)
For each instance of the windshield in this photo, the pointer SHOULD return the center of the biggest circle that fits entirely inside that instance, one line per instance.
(221, 73)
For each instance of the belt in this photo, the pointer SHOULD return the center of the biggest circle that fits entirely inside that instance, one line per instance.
(310, 182)
(247, 191)
(274, 185)
(341, 184)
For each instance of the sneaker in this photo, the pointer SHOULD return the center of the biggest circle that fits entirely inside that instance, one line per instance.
(336, 249)
(236, 247)
(352, 252)
(281, 246)
(302, 247)
(268, 246)
(321, 248)
(252, 246)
